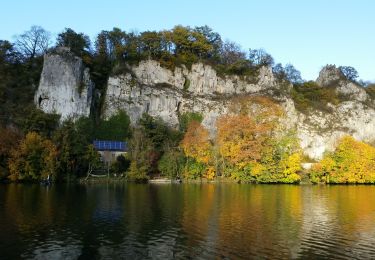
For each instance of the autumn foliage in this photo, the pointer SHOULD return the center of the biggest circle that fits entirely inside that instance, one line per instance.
(196, 143)
(197, 147)
(351, 162)
(241, 139)
(33, 159)
(9, 139)
(249, 145)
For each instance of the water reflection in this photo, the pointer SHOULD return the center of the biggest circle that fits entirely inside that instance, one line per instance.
(187, 221)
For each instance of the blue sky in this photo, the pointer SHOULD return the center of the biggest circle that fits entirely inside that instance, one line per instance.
(308, 34)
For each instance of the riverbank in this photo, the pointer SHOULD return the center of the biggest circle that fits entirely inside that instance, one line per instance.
(305, 180)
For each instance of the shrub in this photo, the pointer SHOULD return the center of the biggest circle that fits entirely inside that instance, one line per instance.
(255, 149)
(194, 169)
(171, 164)
(370, 89)
(351, 162)
(114, 128)
(310, 95)
(33, 159)
(137, 173)
(186, 118)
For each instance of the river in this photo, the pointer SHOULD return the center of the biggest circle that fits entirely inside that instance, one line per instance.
(199, 221)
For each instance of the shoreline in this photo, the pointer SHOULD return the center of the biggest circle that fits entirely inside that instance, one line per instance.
(161, 181)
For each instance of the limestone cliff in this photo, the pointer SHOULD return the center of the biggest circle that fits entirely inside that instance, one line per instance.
(65, 86)
(150, 88)
(160, 92)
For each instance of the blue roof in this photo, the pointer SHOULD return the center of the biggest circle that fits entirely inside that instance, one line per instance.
(110, 145)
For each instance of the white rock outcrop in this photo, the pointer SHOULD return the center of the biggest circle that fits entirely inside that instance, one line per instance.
(65, 86)
(160, 92)
(319, 132)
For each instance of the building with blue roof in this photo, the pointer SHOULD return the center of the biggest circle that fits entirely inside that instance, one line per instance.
(110, 150)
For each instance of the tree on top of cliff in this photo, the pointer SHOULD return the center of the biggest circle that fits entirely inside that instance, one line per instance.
(32, 43)
(349, 72)
(78, 43)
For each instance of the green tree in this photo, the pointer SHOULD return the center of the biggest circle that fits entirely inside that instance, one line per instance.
(151, 44)
(78, 43)
(293, 75)
(117, 127)
(172, 163)
(40, 122)
(186, 118)
(137, 172)
(121, 165)
(213, 39)
(72, 142)
(349, 72)
(260, 57)
(92, 158)
(142, 155)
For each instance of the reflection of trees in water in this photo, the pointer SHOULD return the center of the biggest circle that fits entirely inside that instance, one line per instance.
(338, 221)
(258, 220)
(194, 220)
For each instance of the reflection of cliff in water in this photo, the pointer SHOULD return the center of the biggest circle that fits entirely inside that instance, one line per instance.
(187, 221)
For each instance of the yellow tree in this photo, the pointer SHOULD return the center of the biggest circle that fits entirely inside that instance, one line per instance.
(196, 145)
(352, 162)
(253, 147)
(33, 159)
(240, 138)
(240, 142)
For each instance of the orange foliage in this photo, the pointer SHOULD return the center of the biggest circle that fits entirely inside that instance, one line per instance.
(241, 139)
(196, 143)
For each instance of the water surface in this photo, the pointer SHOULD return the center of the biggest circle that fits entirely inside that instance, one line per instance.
(203, 221)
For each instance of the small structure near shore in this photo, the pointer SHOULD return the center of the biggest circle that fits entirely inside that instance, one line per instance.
(110, 150)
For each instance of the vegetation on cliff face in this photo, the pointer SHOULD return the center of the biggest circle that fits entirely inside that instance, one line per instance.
(308, 95)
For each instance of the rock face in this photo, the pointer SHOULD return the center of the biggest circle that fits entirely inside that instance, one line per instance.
(150, 88)
(330, 76)
(167, 94)
(160, 92)
(65, 86)
(319, 132)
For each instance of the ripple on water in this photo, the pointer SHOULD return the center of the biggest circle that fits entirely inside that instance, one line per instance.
(188, 221)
